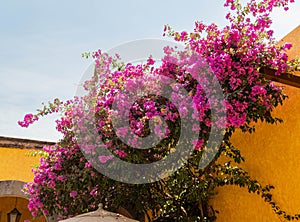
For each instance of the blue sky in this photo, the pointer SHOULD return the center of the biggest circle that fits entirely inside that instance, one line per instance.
(41, 44)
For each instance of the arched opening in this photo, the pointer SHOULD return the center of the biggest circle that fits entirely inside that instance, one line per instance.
(11, 196)
(7, 204)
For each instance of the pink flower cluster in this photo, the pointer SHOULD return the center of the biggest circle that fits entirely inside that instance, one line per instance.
(236, 53)
(228, 57)
(28, 119)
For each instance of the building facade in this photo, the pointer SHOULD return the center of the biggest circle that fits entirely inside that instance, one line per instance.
(272, 157)
(16, 165)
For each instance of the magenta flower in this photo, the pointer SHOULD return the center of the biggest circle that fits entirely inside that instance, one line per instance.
(73, 193)
(150, 61)
(104, 159)
(28, 119)
(287, 45)
(120, 153)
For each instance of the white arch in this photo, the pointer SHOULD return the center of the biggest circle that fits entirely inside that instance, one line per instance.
(13, 188)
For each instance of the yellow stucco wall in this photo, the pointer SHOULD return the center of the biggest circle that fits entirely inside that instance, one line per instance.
(15, 164)
(272, 157)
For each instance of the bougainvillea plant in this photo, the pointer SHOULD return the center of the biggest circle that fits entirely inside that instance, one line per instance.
(66, 182)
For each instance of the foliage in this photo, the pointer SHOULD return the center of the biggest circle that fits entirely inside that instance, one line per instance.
(67, 184)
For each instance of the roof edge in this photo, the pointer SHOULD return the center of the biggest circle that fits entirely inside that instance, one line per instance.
(11, 142)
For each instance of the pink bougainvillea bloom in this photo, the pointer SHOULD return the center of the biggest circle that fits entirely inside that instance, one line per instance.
(120, 153)
(287, 45)
(197, 144)
(183, 35)
(73, 193)
(104, 159)
(28, 119)
(122, 131)
(150, 61)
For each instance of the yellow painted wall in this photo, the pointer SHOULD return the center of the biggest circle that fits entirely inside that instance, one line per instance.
(15, 164)
(272, 157)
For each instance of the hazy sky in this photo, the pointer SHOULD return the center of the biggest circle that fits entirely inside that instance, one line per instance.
(41, 44)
